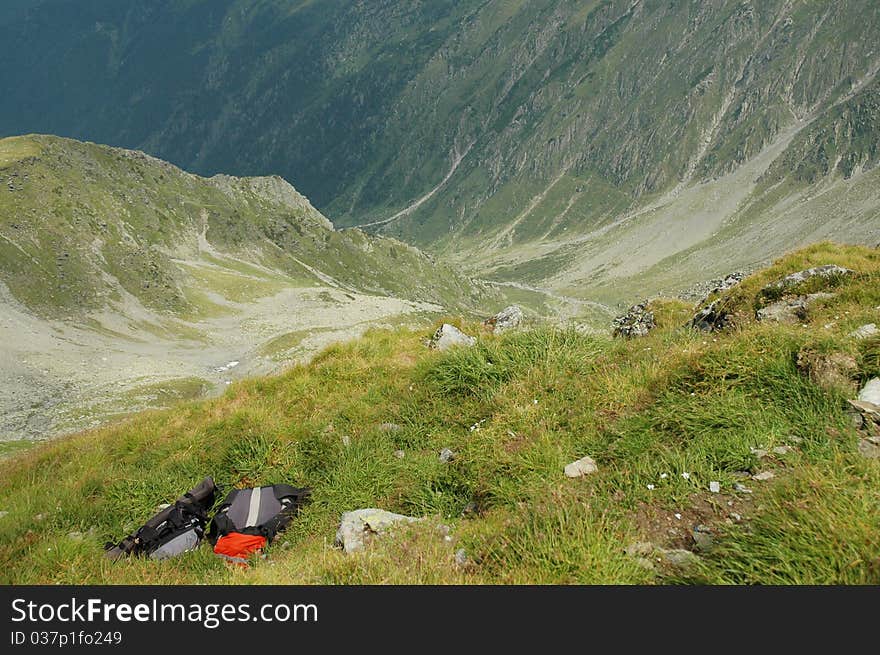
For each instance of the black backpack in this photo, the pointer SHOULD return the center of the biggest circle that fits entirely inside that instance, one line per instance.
(174, 530)
(263, 511)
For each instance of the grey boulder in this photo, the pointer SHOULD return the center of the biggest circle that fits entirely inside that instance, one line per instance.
(828, 272)
(871, 392)
(865, 331)
(357, 526)
(507, 319)
(448, 336)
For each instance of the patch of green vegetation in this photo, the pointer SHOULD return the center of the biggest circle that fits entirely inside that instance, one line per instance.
(13, 149)
(163, 394)
(663, 416)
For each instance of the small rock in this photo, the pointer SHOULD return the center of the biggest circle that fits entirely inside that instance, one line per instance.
(735, 516)
(390, 427)
(579, 468)
(869, 449)
(399, 454)
(763, 477)
(782, 450)
(680, 558)
(785, 311)
(742, 488)
(865, 331)
(75, 536)
(640, 549)
(759, 452)
(711, 318)
(686, 476)
(461, 558)
(828, 271)
(636, 322)
(792, 438)
(715, 487)
(507, 319)
(871, 392)
(448, 336)
(357, 526)
(446, 455)
(703, 539)
(471, 509)
(346, 440)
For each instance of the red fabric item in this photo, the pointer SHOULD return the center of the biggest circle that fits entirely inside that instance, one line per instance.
(237, 547)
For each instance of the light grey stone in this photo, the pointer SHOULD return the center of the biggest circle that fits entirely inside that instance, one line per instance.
(763, 477)
(447, 455)
(461, 558)
(448, 336)
(828, 271)
(508, 318)
(579, 468)
(865, 331)
(870, 393)
(357, 526)
(399, 454)
(869, 449)
(715, 487)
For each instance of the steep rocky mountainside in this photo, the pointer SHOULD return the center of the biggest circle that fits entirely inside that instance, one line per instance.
(534, 124)
(540, 141)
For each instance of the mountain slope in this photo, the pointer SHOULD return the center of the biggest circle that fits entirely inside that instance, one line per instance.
(127, 282)
(759, 410)
(503, 132)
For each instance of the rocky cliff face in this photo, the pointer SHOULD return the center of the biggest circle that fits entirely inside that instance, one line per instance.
(506, 131)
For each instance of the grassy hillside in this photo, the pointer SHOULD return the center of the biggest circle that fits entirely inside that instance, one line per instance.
(515, 409)
(83, 226)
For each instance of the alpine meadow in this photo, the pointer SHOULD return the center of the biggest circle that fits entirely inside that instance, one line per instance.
(345, 292)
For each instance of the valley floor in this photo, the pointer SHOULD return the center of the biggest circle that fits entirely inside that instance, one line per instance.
(61, 376)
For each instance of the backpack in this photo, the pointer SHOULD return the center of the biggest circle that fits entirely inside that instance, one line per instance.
(249, 519)
(174, 530)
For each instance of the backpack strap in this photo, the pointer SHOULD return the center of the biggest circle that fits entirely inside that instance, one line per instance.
(291, 499)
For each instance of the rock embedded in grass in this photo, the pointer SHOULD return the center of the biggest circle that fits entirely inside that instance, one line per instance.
(357, 526)
(448, 336)
(828, 272)
(508, 318)
(580, 468)
(870, 393)
(447, 455)
(763, 477)
(864, 332)
(638, 321)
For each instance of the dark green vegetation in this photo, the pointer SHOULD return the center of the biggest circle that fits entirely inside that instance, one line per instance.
(84, 226)
(646, 410)
(552, 119)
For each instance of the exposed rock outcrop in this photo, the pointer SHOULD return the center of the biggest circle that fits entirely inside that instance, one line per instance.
(508, 318)
(829, 272)
(636, 322)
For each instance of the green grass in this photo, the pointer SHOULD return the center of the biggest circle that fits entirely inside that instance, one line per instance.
(647, 410)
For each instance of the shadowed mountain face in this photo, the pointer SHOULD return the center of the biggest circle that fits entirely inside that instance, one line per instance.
(569, 144)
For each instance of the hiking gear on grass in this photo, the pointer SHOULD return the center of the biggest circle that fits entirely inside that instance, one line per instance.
(258, 512)
(174, 530)
(236, 547)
